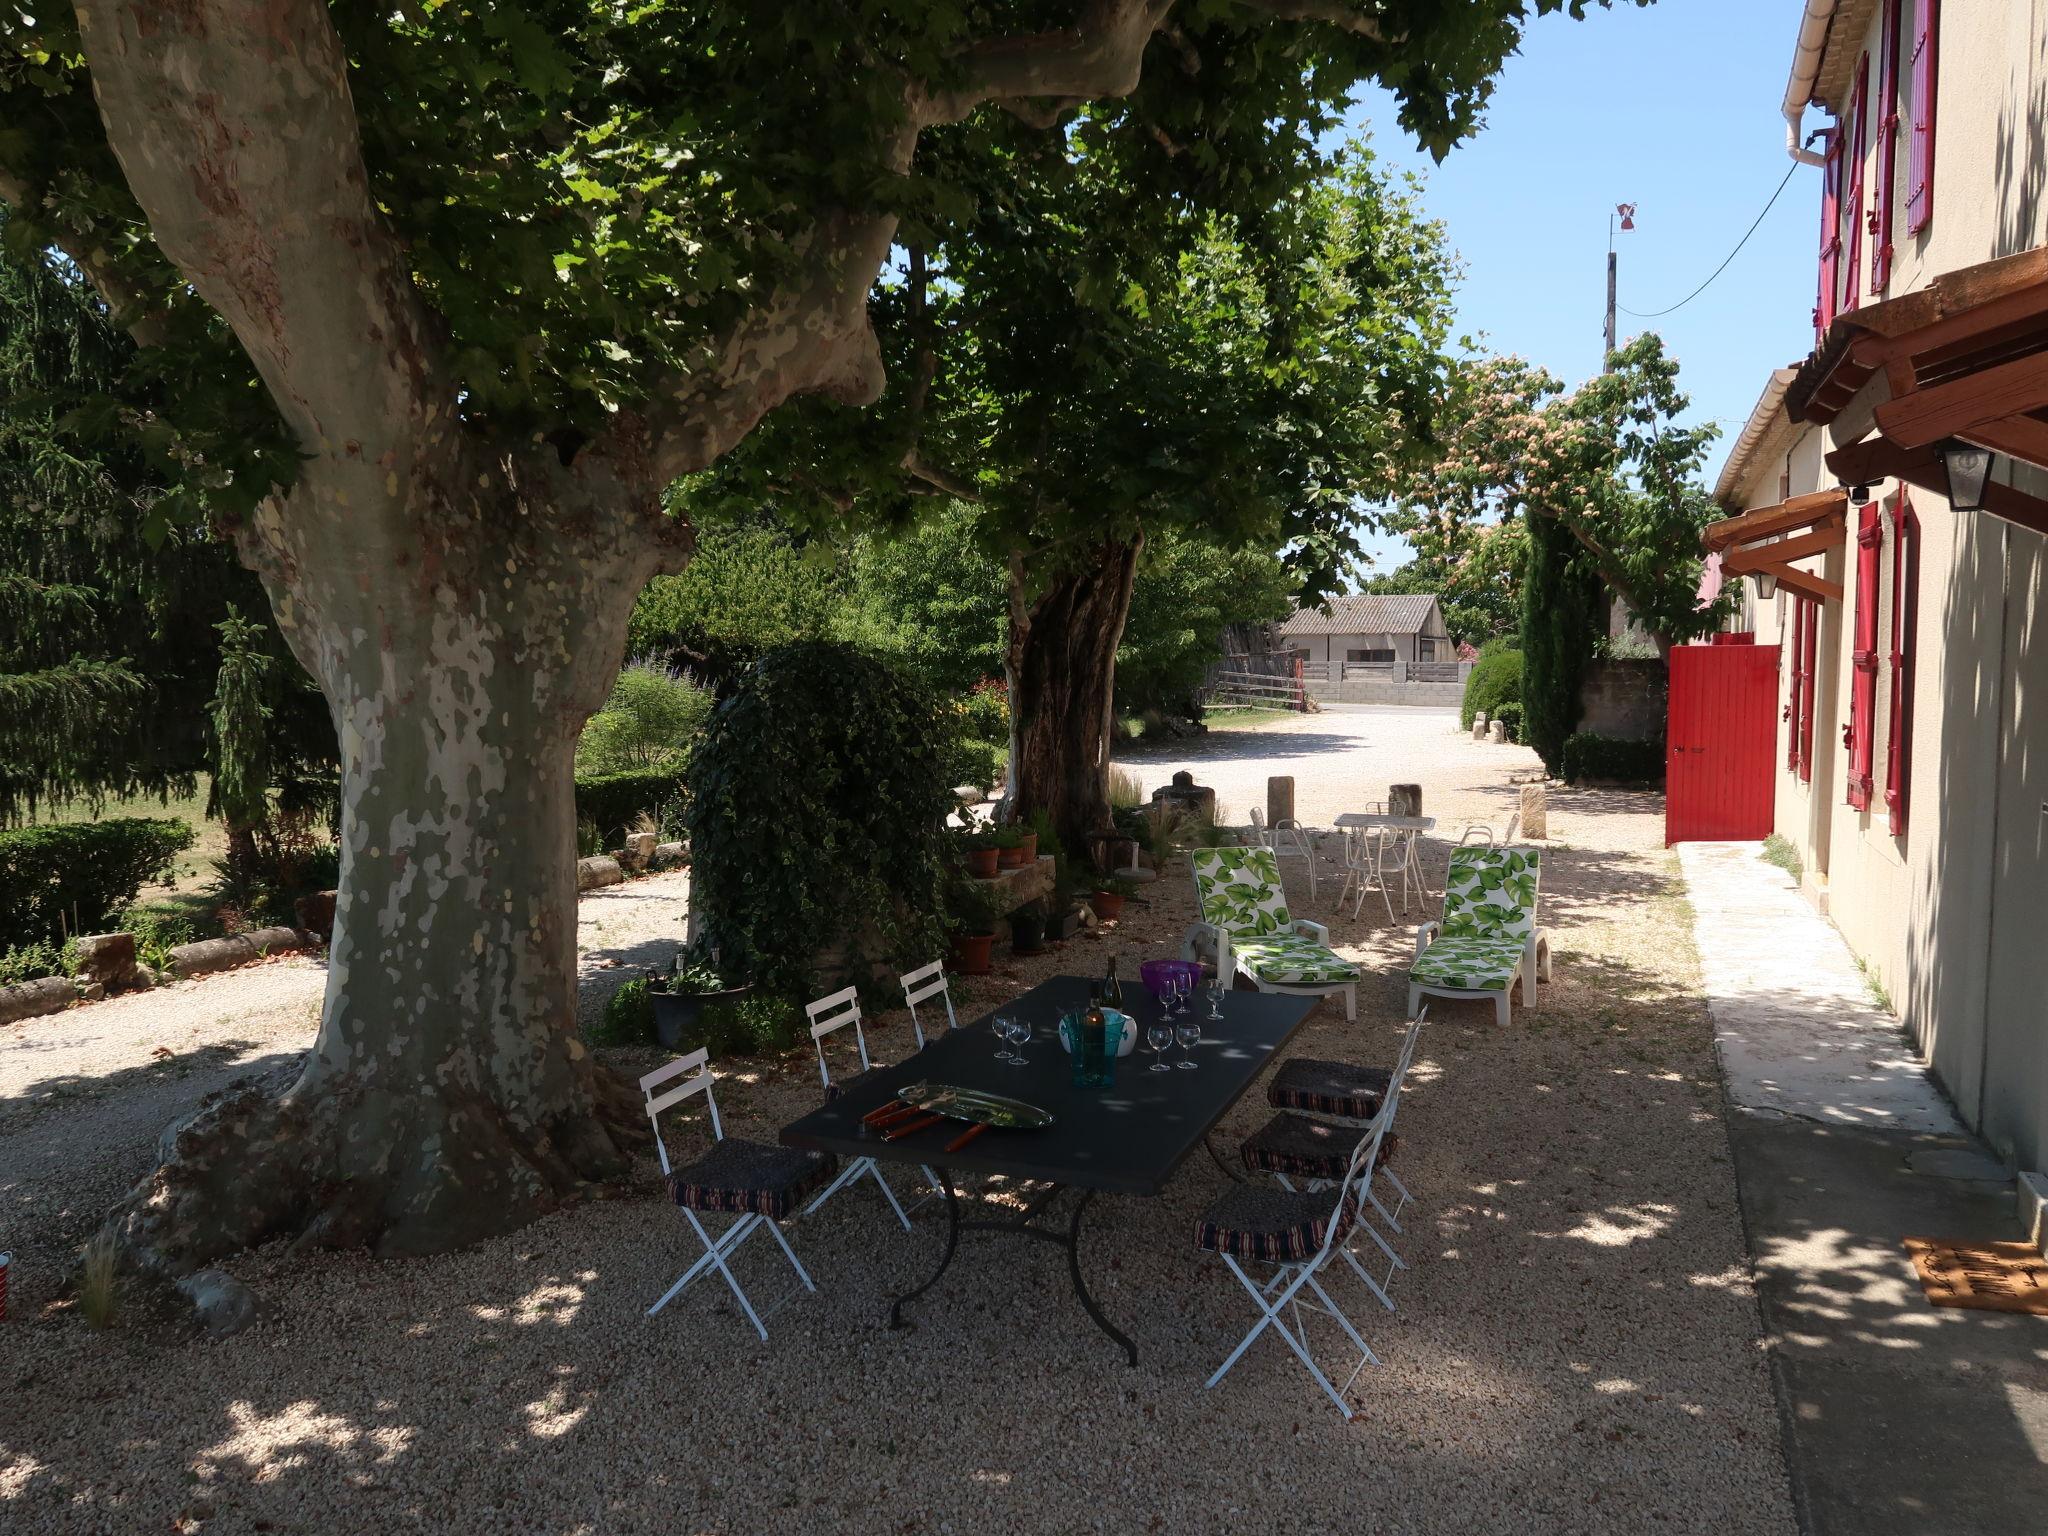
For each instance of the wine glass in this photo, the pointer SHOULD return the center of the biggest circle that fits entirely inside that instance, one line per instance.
(1177, 992)
(1020, 1031)
(1159, 1035)
(1216, 999)
(1188, 1032)
(999, 1025)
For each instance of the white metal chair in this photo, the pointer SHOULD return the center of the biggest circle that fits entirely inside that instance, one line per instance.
(922, 985)
(1297, 1232)
(1364, 868)
(758, 1184)
(827, 1016)
(1288, 839)
(1294, 1146)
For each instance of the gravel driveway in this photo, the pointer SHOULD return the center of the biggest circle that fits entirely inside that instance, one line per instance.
(1577, 1347)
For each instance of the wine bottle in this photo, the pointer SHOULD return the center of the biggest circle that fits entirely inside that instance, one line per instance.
(1112, 989)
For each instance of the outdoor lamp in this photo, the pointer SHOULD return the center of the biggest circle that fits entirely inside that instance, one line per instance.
(1766, 584)
(1968, 468)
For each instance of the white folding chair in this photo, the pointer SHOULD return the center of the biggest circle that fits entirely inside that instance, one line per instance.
(1288, 839)
(1297, 1233)
(827, 1016)
(1364, 859)
(750, 1180)
(922, 985)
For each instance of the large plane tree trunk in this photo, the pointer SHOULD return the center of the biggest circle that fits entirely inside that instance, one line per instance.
(1061, 661)
(463, 626)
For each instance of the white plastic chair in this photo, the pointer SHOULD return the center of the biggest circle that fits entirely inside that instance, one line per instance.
(827, 1016)
(1241, 1219)
(1288, 839)
(922, 985)
(786, 1175)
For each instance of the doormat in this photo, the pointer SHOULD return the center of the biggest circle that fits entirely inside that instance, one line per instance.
(1992, 1277)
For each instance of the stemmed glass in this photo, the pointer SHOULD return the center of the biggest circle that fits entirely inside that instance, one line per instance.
(1216, 1000)
(1000, 1027)
(1187, 1030)
(1179, 988)
(1159, 1035)
(1020, 1031)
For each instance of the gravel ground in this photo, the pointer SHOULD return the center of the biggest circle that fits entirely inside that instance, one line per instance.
(1577, 1347)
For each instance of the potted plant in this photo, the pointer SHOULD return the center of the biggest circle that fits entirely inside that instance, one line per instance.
(1110, 895)
(1027, 929)
(680, 998)
(982, 852)
(974, 927)
(1009, 846)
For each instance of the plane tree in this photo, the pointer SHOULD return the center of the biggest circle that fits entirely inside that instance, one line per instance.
(450, 294)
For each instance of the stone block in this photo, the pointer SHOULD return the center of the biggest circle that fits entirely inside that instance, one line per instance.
(31, 999)
(221, 954)
(1279, 799)
(106, 958)
(1404, 799)
(639, 850)
(670, 855)
(1535, 811)
(316, 913)
(1479, 723)
(1497, 733)
(592, 873)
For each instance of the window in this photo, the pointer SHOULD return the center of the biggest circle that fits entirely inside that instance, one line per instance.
(1852, 211)
(1425, 649)
(1898, 769)
(1381, 657)
(1920, 152)
(1887, 149)
(1830, 231)
(1859, 736)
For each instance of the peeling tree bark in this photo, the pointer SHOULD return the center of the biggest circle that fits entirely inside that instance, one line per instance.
(1061, 664)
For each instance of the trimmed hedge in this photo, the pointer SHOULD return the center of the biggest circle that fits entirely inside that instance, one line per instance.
(1590, 756)
(1495, 680)
(76, 875)
(614, 801)
(1510, 717)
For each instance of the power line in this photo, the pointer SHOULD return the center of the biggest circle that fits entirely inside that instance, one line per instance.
(1703, 287)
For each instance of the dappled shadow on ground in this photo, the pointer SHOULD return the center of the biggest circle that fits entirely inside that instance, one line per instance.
(1575, 1348)
(1231, 746)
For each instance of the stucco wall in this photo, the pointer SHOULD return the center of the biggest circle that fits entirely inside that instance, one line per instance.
(1626, 698)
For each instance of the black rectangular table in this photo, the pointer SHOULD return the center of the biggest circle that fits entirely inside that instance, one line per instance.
(1125, 1139)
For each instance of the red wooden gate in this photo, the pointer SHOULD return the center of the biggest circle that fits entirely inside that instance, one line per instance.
(1720, 742)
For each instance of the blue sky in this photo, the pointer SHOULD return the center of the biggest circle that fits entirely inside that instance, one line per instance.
(1675, 109)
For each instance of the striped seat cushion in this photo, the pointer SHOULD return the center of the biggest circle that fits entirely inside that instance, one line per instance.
(1303, 1148)
(1328, 1088)
(750, 1176)
(1270, 1226)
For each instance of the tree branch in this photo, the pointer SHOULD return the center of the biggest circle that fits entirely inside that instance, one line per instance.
(1099, 56)
(1335, 12)
(234, 127)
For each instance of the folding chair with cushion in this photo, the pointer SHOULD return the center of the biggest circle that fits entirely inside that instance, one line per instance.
(827, 1016)
(1294, 1147)
(750, 1180)
(1296, 1232)
(922, 985)
(1487, 938)
(1245, 919)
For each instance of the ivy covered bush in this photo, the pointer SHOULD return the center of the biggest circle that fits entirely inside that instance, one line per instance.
(815, 803)
(73, 876)
(1496, 679)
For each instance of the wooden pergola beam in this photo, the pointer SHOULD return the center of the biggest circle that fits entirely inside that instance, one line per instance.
(2020, 437)
(1950, 410)
(1763, 522)
(1876, 459)
(1743, 559)
(1803, 582)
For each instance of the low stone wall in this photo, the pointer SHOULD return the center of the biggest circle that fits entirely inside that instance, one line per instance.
(1360, 690)
(1625, 699)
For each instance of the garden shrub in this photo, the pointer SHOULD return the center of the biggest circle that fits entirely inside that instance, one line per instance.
(1496, 679)
(71, 877)
(628, 1017)
(28, 962)
(759, 1024)
(815, 806)
(1590, 756)
(612, 802)
(1564, 614)
(648, 723)
(1510, 717)
(162, 925)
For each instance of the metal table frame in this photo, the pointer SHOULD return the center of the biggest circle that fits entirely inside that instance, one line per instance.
(1186, 1107)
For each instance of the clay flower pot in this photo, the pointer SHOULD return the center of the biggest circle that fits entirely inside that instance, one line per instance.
(1108, 905)
(983, 862)
(970, 953)
(1014, 857)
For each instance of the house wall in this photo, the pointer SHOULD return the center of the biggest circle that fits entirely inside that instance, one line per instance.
(1335, 647)
(1625, 698)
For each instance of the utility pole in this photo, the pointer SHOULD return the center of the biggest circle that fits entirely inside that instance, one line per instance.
(1627, 212)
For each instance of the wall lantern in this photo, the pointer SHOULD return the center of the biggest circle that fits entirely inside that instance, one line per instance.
(1969, 467)
(1766, 584)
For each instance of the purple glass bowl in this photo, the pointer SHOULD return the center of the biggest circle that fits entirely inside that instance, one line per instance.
(1156, 973)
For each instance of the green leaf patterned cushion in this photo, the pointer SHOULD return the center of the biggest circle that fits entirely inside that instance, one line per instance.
(1491, 893)
(1469, 963)
(1289, 959)
(1239, 890)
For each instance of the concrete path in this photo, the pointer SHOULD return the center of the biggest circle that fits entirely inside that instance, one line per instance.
(1897, 1415)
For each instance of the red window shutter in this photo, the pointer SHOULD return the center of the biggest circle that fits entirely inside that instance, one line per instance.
(1830, 231)
(1863, 660)
(1898, 766)
(1809, 652)
(1852, 209)
(1795, 658)
(1920, 155)
(1887, 149)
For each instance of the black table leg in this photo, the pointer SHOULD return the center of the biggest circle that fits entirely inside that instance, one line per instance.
(952, 1242)
(1021, 1226)
(1209, 1146)
(1081, 1287)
